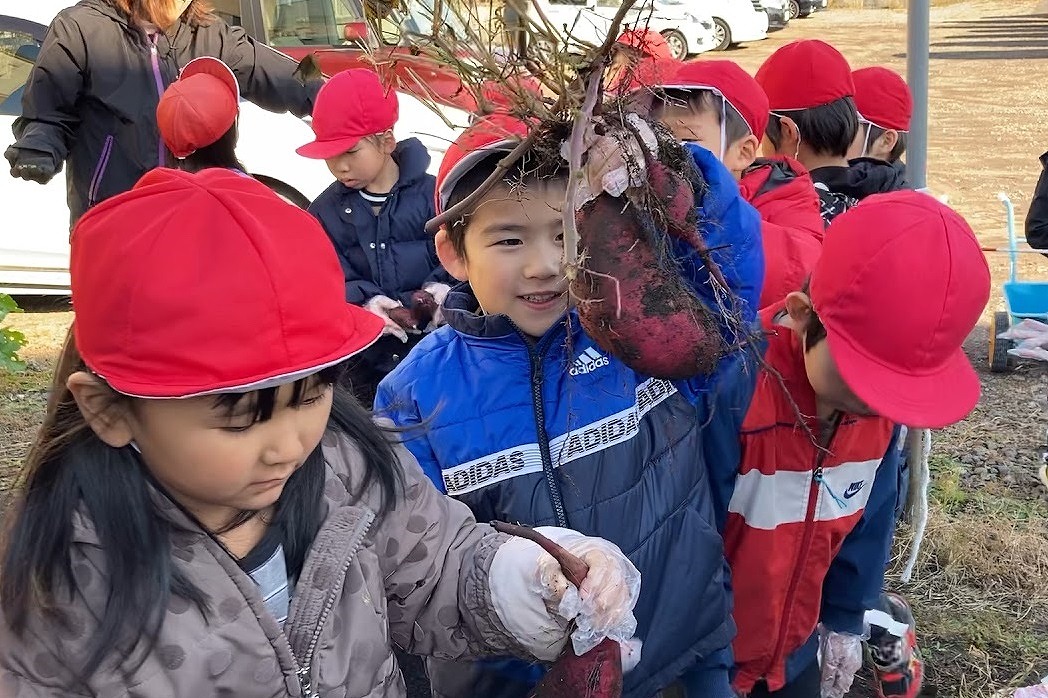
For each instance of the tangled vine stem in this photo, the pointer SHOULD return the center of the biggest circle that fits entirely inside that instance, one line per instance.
(574, 567)
(464, 206)
(576, 147)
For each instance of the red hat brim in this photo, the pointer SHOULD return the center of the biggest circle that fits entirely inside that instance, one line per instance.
(367, 330)
(325, 150)
(928, 401)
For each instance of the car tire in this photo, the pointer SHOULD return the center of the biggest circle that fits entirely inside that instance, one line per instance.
(677, 42)
(721, 34)
(793, 9)
(285, 191)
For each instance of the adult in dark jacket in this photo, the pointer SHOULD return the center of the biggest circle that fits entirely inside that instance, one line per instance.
(1037, 217)
(91, 99)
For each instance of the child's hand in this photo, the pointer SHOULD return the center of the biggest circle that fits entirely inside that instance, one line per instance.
(383, 306)
(841, 659)
(537, 603)
(438, 292)
(615, 161)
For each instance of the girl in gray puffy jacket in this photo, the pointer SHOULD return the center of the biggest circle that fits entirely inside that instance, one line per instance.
(206, 513)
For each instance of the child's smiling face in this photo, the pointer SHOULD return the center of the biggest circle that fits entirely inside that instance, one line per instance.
(514, 251)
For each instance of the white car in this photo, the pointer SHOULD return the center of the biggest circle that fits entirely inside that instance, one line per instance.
(735, 21)
(34, 240)
(687, 30)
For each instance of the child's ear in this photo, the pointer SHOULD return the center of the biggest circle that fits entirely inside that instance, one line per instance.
(108, 419)
(449, 257)
(888, 140)
(791, 137)
(389, 142)
(799, 308)
(742, 153)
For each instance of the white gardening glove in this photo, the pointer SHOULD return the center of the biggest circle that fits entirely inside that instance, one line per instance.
(536, 603)
(841, 659)
(615, 161)
(381, 305)
(439, 292)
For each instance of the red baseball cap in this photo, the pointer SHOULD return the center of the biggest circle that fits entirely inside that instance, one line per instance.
(883, 98)
(647, 41)
(805, 74)
(733, 84)
(192, 284)
(199, 107)
(496, 133)
(894, 329)
(350, 106)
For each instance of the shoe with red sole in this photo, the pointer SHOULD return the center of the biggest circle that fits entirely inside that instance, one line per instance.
(897, 667)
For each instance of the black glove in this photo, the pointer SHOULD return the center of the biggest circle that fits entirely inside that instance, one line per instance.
(32, 165)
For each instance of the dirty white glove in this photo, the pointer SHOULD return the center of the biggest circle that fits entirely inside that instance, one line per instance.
(536, 603)
(381, 305)
(841, 659)
(615, 161)
(439, 292)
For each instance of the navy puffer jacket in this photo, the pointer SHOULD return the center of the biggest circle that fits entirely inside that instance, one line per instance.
(388, 254)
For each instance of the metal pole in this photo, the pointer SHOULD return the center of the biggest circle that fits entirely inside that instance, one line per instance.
(917, 40)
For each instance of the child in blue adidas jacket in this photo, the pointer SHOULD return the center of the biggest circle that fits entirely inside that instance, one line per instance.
(524, 418)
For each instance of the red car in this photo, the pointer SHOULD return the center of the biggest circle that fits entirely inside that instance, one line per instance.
(335, 34)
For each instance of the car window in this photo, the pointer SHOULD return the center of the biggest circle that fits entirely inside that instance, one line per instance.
(305, 22)
(18, 51)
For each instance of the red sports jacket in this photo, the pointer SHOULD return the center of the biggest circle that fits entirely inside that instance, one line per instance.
(793, 505)
(791, 227)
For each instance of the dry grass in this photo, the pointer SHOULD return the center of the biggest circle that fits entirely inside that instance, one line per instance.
(979, 593)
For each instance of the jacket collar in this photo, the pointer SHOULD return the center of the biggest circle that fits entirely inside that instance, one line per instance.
(413, 160)
(462, 312)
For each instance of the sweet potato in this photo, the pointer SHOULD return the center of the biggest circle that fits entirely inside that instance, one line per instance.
(595, 674)
(632, 299)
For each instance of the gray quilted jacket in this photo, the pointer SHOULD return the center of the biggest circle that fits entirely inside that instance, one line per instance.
(416, 578)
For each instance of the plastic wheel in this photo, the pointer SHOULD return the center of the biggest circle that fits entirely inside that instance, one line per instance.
(1000, 359)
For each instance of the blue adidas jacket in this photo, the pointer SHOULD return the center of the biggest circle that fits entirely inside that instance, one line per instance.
(388, 254)
(560, 433)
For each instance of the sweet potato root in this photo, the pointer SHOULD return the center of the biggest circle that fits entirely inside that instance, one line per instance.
(596, 674)
(632, 299)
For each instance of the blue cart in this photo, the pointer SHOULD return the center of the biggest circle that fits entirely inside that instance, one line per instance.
(1022, 299)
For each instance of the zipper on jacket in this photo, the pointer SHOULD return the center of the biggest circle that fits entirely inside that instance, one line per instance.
(305, 660)
(535, 354)
(809, 530)
(154, 57)
(100, 169)
(540, 427)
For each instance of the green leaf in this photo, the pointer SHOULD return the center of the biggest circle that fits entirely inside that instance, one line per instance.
(10, 340)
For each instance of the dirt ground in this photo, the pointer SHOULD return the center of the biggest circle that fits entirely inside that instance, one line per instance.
(979, 592)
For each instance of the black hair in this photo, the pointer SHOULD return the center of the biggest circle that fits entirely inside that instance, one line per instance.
(528, 169)
(700, 102)
(70, 467)
(221, 153)
(828, 129)
(900, 143)
(814, 331)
